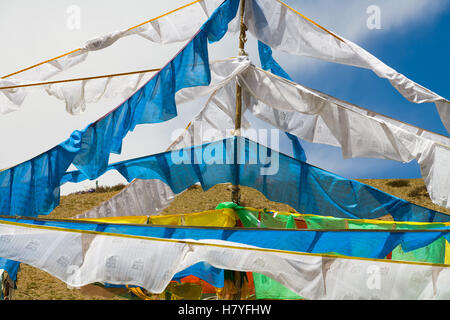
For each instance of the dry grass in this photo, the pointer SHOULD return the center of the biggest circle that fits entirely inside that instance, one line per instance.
(412, 190)
(37, 285)
(74, 204)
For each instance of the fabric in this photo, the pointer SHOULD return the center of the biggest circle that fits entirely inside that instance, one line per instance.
(8, 277)
(89, 149)
(2, 275)
(206, 287)
(12, 267)
(80, 258)
(319, 118)
(32, 187)
(215, 121)
(6, 286)
(123, 219)
(282, 28)
(140, 197)
(357, 243)
(11, 99)
(216, 218)
(434, 252)
(265, 287)
(212, 218)
(280, 178)
(447, 253)
(215, 276)
(269, 63)
(174, 27)
(76, 95)
(222, 73)
(295, 110)
(49, 69)
(203, 271)
(184, 291)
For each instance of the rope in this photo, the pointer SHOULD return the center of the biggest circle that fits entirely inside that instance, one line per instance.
(165, 14)
(226, 246)
(311, 21)
(96, 77)
(79, 49)
(79, 79)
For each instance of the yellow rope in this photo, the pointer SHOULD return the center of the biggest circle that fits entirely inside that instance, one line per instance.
(41, 63)
(76, 50)
(311, 21)
(323, 255)
(165, 14)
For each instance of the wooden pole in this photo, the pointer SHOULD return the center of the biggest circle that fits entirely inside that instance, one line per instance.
(238, 277)
(235, 190)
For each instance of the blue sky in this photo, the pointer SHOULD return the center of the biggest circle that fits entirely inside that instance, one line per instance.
(419, 48)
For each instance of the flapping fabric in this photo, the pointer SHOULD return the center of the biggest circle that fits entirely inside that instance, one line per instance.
(280, 27)
(216, 218)
(176, 26)
(280, 178)
(211, 218)
(434, 252)
(319, 118)
(12, 267)
(81, 257)
(30, 187)
(49, 69)
(364, 243)
(140, 197)
(265, 287)
(269, 63)
(123, 220)
(214, 122)
(222, 73)
(11, 99)
(152, 196)
(76, 95)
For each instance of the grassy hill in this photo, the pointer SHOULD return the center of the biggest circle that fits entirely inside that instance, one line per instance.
(36, 284)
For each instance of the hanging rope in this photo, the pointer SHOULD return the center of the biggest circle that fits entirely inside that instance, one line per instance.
(76, 50)
(92, 77)
(311, 21)
(79, 79)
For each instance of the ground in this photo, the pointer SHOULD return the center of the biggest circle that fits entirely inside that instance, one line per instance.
(35, 284)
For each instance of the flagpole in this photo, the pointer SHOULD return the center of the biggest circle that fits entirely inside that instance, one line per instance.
(235, 190)
(238, 277)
